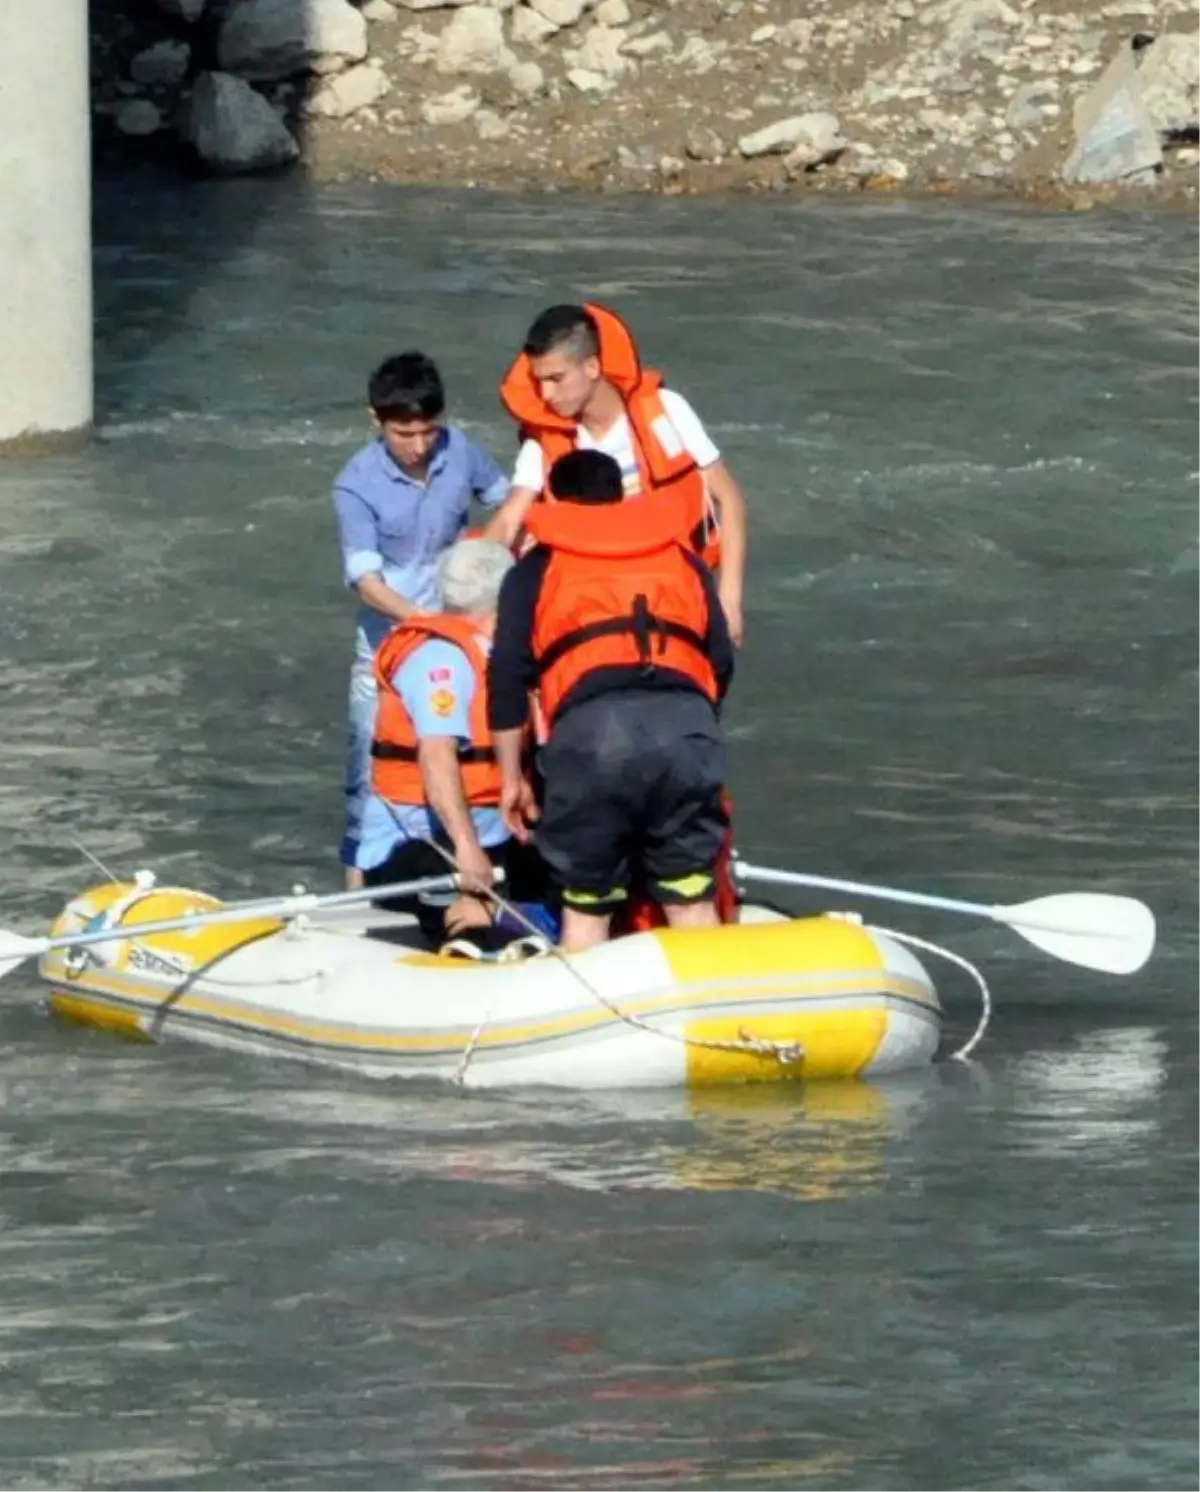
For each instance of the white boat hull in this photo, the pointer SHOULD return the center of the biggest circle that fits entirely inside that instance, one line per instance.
(768, 1000)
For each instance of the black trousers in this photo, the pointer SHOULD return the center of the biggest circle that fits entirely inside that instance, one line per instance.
(633, 794)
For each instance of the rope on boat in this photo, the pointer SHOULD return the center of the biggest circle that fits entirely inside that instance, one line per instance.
(786, 1053)
(985, 1014)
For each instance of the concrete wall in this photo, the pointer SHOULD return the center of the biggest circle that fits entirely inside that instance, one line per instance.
(45, 221)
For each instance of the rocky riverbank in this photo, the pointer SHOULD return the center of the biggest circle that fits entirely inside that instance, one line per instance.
(1055, 99)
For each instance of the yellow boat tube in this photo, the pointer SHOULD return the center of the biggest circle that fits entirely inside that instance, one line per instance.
(766, 1000)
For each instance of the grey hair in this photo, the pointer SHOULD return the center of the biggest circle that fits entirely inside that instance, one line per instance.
(470, 574)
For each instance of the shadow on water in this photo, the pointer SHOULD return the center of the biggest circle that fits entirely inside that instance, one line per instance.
(165, 226)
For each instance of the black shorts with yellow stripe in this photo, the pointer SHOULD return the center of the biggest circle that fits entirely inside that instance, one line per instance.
(633, 784)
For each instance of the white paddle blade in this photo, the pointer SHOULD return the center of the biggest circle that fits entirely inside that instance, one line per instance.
(14, 950)
(1112, 933)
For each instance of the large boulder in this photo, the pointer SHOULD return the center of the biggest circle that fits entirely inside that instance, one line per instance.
(600, 51)
(138, 116)
(267, 39)
(560, 12)
(348, 92)
(162, 65)
(473, 42)
(1115, 139)
(1170, 81)
(232, 128)
(813, 138)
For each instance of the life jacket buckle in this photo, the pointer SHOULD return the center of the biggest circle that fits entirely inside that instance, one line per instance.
(642, 623)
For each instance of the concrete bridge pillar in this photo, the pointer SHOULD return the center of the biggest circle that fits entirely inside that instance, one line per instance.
(45, 223)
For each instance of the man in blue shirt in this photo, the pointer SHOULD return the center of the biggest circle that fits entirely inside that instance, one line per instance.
(401, 502)
(434, 777)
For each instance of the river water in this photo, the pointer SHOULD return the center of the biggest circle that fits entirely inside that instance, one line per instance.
(968, 439)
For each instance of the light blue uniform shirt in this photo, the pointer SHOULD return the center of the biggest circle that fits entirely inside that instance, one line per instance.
(437, 684)
(396, 527)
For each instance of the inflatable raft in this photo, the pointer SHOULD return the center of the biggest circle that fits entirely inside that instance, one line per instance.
(767, 999)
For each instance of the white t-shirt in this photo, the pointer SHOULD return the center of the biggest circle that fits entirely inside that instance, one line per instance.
(617, 441)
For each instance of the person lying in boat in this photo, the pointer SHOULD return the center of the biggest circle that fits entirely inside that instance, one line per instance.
(434, 777)
(579, 382)
(620, 629)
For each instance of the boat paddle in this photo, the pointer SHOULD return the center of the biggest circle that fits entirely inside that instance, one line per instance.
(1099, 931)
(16, 948)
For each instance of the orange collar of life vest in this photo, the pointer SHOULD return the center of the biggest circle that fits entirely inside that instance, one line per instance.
(609, 530)
(407, 636)
(620, 365)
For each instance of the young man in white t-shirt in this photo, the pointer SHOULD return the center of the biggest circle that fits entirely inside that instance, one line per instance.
(578, 378)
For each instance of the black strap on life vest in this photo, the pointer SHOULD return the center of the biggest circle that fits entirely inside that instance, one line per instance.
(386, 751)
(699, 536)
(640, 623)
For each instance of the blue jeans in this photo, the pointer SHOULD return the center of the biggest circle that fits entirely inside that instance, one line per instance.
(364, 698)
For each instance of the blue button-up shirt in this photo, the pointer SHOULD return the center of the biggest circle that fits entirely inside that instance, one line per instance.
(395, 526)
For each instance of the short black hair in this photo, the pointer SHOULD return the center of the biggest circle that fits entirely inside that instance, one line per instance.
(407, 387)
(586, 477)
(568, 329)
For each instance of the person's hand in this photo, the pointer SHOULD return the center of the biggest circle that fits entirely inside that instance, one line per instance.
(518, 808)
(475, 868)
(731, 605)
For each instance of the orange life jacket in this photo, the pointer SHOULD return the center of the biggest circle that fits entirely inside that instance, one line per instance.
(396, 769)
(664, 465)
(619, 589)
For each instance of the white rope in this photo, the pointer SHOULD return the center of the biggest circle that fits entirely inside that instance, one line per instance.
(926, 946)
(460, 1072)
(786, 1053)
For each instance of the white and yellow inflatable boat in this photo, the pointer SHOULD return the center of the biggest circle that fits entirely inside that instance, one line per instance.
(766, 1000)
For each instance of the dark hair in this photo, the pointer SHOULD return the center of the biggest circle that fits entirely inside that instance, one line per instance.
(567, 329)
(586, 477)
(407, 387)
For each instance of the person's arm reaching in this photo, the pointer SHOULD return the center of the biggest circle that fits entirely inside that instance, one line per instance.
(375, 592)
(512, 673)
(436, 684)
(731, 509)
(726, 497)
(362, 562)
(441, 776)
(504, 527)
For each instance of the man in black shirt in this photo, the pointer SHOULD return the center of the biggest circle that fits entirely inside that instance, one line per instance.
(620, 630)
